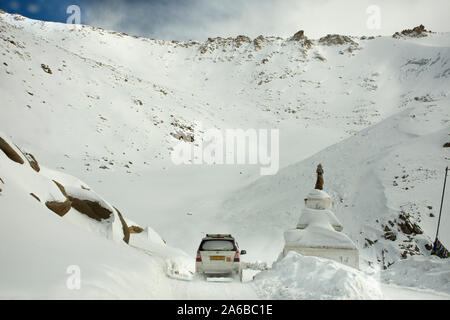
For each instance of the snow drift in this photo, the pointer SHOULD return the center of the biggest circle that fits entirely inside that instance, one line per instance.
(301, 277)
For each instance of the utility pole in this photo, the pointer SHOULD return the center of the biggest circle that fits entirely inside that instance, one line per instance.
(442, 201)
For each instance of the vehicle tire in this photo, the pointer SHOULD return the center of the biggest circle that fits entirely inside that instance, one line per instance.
(241, 275)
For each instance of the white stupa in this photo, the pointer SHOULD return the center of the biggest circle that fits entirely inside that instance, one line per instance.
(319, 232)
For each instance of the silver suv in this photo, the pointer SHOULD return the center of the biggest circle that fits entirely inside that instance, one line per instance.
(219, 254)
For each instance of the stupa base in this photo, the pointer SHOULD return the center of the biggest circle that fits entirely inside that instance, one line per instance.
(349, 257)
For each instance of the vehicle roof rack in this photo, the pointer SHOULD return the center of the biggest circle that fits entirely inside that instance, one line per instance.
(218, 235)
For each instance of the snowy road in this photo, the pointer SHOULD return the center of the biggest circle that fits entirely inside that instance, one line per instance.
(200, 289)
(392, 292)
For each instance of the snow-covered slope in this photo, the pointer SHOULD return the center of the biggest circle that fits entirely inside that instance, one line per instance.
(58, 235)
(385, 182)
(108, 107)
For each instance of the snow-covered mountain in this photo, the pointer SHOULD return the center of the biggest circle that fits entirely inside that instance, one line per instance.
(108, 108)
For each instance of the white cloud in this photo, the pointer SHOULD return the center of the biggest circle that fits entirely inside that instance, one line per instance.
(200, 19)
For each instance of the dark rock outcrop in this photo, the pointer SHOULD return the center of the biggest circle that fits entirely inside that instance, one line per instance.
(135, 229)
(257, 42)
(61, 188)
(35, 196)
(126, 231)
(390, 236)
(10, 152)
(32, 161)
(239, 40)
(336, 39)
(407, 226)
(60, 208)
(92, 209)
(300, 37)
(417, 32)
(46, 68)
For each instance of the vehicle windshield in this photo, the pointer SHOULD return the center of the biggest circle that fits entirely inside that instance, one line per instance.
(218, 245)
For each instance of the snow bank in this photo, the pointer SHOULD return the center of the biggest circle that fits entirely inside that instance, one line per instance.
(177, 264)
(45, 254)
(43, 248)
(301, 277)
(420, 272)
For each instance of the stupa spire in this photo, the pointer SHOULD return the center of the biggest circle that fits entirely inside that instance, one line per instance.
(319, 181)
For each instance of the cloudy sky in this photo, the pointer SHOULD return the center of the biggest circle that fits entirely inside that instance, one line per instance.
(200, 19)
